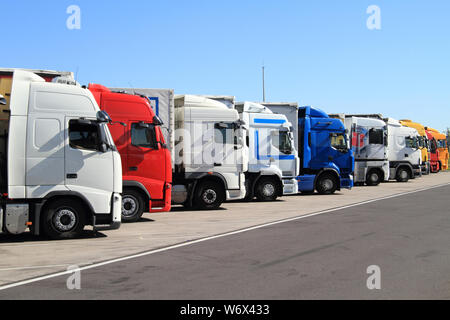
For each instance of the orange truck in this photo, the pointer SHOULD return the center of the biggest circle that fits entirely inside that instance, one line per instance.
(442, 147)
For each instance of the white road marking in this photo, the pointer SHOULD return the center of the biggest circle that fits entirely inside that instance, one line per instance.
(185, 244)
(42, 267)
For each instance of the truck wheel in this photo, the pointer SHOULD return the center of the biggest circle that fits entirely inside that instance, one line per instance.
(63, 219)
(326, 184)
(373, 178)
(266, 189)
(402, 175)
(132, 205)
(209, 195)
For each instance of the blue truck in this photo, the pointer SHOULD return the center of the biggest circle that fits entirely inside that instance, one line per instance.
(326, 161)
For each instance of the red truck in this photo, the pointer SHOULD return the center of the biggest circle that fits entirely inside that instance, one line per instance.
(434, 153)
(146, 161)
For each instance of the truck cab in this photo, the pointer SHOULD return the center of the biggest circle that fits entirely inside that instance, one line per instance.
(435, 163)
(272, 158)
(424, 144)
(209, 164)
(404, 154)
(326, 160)
(60, 169)
(146, 160)
(441, 140)
(368, 140)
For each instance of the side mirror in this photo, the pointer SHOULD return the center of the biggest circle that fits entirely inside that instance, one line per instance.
(103, 147)
(157, 121)
(103, 117)
(2, 100)
(221, 125)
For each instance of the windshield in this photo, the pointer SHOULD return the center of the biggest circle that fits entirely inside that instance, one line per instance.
(338, 141)
(442, 144)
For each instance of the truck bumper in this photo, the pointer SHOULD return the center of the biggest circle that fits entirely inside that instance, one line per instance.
(116, 211)
(417, 171)
(290, 186)
(306, 183)
(426, 168)
(167, 200)
(237, 194)
(347, 182)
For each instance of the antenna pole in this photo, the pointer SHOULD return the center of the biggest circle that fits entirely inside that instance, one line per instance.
(264, 83)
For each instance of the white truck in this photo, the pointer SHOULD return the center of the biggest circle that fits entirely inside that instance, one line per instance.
(404, 154)
(207, 152)
(403, 149)
(369, 141)
(59, 166)
(273, 162)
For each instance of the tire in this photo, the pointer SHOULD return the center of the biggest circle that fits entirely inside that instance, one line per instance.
(374, 178)
(402, 175)
(133, 205)
(63, 219)
(209, 195)
(326, 184)
(266, 189)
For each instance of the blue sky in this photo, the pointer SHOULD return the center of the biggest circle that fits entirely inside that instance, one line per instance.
(316, 52)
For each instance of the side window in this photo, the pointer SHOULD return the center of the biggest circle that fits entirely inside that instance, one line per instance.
(410, 143)
(224, 133)
(144, 137)
(376, 136)
(282, 142)
(338, 141)
(84, 135)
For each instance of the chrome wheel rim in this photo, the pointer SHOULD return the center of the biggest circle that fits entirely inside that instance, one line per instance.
(327, 184)
(404, 174)
(268, 190)
(209, 196)
(374, 177)
(129, 206)
(64, 220)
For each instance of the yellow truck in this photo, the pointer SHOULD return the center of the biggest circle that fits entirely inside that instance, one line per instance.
(423, 143)
(442, 147)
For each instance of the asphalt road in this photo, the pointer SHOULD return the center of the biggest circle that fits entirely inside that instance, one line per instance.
(319, 257)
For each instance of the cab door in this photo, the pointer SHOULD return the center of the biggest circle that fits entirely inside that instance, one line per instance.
(87, 169)
(146, 158)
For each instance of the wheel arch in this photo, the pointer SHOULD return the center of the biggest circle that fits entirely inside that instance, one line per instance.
(328, 170)
(53, 196)
(139, 187)
(274, 177)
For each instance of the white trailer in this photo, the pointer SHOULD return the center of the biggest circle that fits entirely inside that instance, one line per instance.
(207, 152)
(60, 169)
(273, 162)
